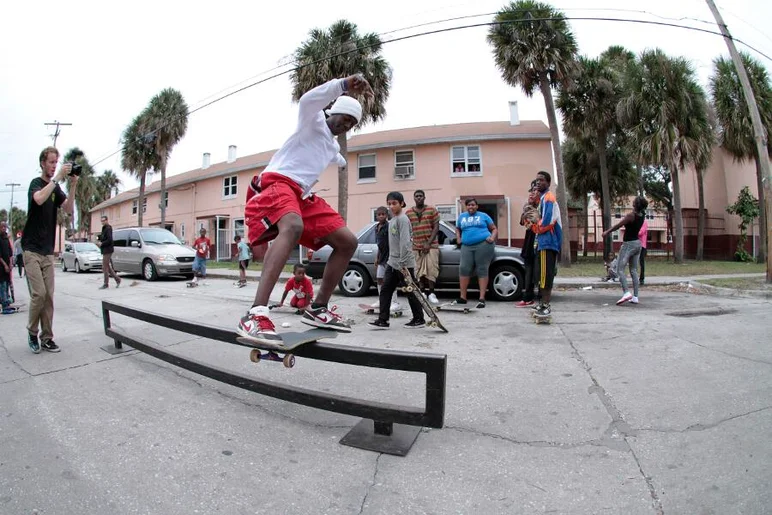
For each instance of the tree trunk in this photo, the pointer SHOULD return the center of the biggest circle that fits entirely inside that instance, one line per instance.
(762, 248)
(605, 193)
(678, 217)
(343, 178)
(701, 214)
(641, 189)
(565, 252)
(162, 205)
(586, 223)
(141, 198)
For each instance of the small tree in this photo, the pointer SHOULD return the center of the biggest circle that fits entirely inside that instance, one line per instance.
(747, 208)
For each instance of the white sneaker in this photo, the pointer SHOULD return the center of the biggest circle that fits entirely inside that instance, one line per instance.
(627, 297)
(634, 300)
(395, 306)
(433, 299)
(376, 304)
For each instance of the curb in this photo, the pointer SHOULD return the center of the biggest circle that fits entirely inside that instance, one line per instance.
(732, 292)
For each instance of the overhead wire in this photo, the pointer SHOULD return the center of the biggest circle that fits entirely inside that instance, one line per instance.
(427, 33)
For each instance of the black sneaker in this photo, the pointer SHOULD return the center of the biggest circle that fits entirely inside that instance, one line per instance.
(481, 304)
(415, 324)
(379, 324)
(458, 301)
(50, 346)
(544, 311)
(34, 344)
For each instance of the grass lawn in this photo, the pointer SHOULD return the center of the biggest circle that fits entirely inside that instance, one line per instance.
(740, 283)
(657, 266)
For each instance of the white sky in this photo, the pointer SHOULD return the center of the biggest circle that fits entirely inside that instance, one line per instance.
(97, 64)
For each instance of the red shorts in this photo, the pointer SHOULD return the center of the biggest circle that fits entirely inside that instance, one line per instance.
(279, 195)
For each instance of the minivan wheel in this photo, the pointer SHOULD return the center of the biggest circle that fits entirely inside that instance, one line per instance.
(149, 271)
(506, 283)
(355, 282)
(77, 267)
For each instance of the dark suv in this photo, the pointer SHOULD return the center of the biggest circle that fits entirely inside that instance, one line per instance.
(506, 271)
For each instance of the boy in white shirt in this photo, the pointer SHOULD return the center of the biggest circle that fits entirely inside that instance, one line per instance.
(282, 207)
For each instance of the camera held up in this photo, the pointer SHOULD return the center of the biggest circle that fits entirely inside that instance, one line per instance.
(77, 168)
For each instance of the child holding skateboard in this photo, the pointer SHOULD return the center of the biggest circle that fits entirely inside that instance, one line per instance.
(243, 253)
(281, 205)
(382, 255)
(301, 286)
(401, 257)
(529, 217)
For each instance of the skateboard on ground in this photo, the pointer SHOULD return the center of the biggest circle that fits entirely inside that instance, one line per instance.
(458, 308)
(192, 284)
(412, 289)
(541, 319)
(276, 306)
(13, 309)
(291, 340)
(369, 310)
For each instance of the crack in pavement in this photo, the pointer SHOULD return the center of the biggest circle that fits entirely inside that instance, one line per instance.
(372, 483)
(619, 430)
(725, 353)
(596, 442)
(181, 375)
(18, 365)
(703, 427)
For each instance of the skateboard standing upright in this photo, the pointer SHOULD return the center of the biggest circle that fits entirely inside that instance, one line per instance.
(412, 289)
(290, 341)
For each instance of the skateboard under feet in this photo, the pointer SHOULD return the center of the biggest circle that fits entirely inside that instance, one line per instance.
(290, 341)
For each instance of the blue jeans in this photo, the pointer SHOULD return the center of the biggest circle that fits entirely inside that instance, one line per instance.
(199, 266)
(629, 254)
(5, 297)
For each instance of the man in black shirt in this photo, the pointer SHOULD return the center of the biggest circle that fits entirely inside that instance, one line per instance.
(106, 246)
(45, 198)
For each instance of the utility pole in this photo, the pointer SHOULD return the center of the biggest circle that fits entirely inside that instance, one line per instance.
(758, 131)
(10, 221)
(57, 131)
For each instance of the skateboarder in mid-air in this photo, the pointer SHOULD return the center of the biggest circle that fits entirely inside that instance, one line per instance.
(401, 257)
(282, 207)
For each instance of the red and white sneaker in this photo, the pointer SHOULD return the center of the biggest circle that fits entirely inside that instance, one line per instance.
(627, 297)
(257, 326)
(524, 304)
(325, 319)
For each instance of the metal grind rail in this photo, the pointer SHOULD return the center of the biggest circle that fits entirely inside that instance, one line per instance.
(385, 427)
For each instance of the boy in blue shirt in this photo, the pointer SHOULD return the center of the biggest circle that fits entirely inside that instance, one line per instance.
(242, 250)
(549, 234)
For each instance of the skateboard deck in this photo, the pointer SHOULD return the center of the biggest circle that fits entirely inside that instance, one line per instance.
(289, 309)
(290, 340)
(191, 284)
(457, 308)
(368, 309)
(412, 289)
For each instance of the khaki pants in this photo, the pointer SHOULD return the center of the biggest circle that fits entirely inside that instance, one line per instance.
(40, 281)
(107, 269)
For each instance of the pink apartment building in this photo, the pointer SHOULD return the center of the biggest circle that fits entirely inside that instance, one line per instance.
(491, 161)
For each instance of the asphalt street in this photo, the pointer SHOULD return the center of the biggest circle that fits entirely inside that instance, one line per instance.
(664, 407)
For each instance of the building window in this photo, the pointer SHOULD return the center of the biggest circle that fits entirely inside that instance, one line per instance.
(182, 231)
(404, 164)
(465, 161)
(230, 186)
(448, 213)
(618, 212)
(238, 227)
(134, 206)
(366, 164)
(615, 236)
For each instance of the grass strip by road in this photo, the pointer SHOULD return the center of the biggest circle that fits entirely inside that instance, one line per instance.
(592, 267)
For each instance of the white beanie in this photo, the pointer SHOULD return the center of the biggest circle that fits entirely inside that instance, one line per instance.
(347, 105)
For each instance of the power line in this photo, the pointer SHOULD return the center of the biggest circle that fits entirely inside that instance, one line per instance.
(439, 31)
(55, 135)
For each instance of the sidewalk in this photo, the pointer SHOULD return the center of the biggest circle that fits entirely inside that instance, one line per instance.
(252, 275)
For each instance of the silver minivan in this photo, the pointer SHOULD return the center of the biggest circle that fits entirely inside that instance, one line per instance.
(152, 252)
(81, 256)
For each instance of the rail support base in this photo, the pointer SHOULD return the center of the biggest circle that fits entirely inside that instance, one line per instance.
(118, 348)
(395, 439)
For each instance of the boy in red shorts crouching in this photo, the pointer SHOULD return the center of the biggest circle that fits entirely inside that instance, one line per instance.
(282, 207)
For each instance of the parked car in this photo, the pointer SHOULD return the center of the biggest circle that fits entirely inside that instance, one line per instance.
(506, 271)
(151, 252)
(81, 256)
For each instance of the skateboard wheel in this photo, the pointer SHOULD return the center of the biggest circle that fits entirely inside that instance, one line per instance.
(289, 361)
(254, 355)
(408, 289)
(432, 324)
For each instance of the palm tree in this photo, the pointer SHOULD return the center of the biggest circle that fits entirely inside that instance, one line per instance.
(137, 156)
(337, 52)
(703, 158)
(735, 128)
(107, 185)
(534, 48)
(166, 118)
(662, 113)
(85, 191)
(588, 105)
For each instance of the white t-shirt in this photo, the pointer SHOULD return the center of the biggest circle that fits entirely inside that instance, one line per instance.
(312, 147)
